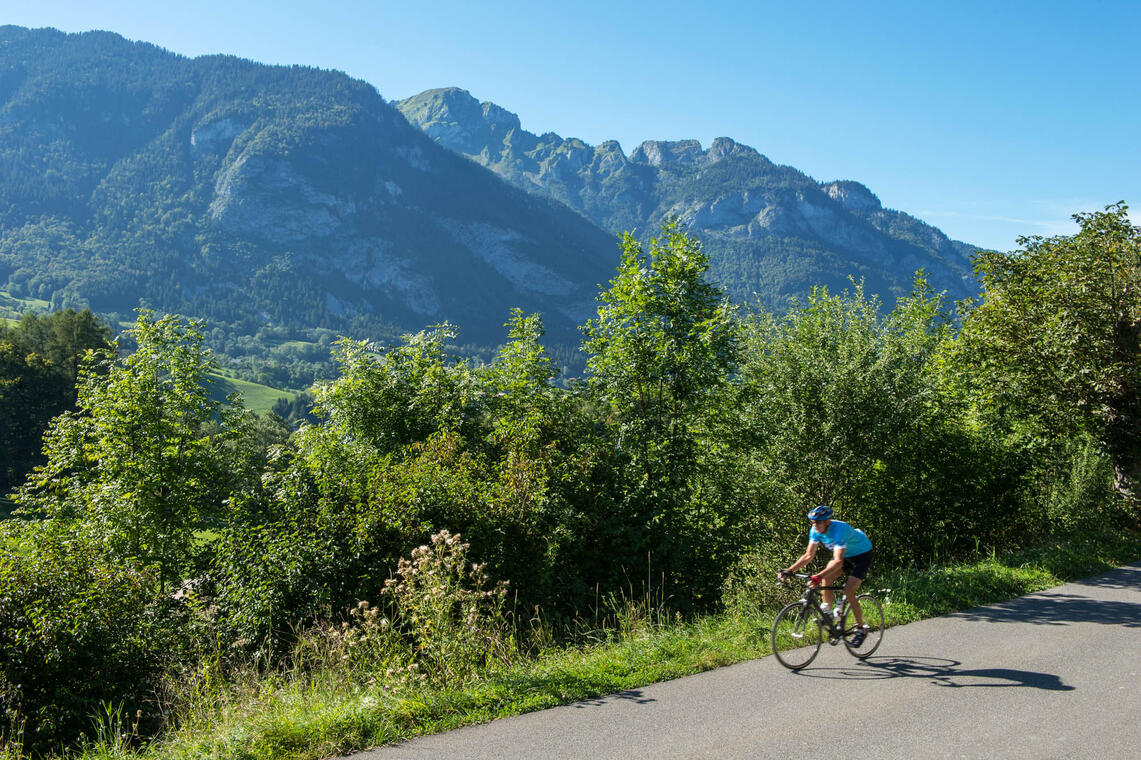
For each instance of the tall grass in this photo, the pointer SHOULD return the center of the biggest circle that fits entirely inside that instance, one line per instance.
(346, 691)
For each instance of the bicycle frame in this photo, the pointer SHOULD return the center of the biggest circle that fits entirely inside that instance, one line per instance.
(812, 598)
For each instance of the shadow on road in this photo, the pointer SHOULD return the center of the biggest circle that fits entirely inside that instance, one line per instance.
(1057, 609)
(633, 695)
(941, 672)
(1123, 577)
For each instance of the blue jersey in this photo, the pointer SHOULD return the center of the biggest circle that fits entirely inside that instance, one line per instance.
(854, 541)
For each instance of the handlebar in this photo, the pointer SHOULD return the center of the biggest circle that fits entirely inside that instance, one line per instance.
(808, 576)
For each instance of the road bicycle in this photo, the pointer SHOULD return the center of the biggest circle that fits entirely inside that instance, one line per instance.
(801, 627)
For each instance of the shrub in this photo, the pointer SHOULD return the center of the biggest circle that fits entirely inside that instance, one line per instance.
(357, 648)
(75, 632)
(751, 588)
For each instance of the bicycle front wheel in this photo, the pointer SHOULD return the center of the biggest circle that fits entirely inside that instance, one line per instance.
(873, 619)
(796, 636)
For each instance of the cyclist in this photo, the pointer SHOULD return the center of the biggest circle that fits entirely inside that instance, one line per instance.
(851, 552)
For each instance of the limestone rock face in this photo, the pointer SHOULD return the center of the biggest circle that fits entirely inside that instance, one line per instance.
(768, 229)
(852, 195)
(451, 116)
(688, 152)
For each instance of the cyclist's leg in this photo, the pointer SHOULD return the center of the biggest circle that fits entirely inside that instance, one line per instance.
(827, 579)
(857, 568)
(851, 589)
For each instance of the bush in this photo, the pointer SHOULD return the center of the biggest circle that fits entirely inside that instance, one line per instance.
(75, 632)
(1079, 485)
(751, 587)
(447, 623)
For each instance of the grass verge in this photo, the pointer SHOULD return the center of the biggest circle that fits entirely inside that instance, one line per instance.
(327, 713)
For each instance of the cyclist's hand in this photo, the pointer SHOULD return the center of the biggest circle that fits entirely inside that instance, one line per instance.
(815, 580)
(782, 575)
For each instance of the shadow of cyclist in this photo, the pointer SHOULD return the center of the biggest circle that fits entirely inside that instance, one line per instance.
(942, 672)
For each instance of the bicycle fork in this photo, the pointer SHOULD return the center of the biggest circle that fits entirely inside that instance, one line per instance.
(802, 620)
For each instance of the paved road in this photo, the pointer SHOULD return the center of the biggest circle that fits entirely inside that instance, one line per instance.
(1050, 675)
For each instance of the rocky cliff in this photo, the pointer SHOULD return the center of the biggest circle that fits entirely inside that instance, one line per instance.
(770, 230)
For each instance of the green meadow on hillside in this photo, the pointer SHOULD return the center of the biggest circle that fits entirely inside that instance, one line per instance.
(255, 397)
(11, 307)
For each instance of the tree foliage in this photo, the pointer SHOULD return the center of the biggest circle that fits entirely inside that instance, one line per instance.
(832, 388)
(77, 630)
(1057, 334)
(841, 404)
(661, 348)
(133, 463)
(39, 364)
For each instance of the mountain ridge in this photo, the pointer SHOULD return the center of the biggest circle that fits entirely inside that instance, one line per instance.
(762, 223)
(276, 198)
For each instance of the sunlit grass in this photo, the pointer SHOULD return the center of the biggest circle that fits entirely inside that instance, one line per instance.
(11, 308)
(324, 713)
(255, 397)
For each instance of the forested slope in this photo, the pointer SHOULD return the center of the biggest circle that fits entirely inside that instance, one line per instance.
(260, 196)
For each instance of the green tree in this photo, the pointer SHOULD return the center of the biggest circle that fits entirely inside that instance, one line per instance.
(841, 404)
(661, 348)
(1057, 335)
(519, 384)
(386, 399)
(831, 388)
(133, 463)
(39, 360)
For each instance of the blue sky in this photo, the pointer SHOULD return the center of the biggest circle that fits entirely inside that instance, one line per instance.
(989, 120)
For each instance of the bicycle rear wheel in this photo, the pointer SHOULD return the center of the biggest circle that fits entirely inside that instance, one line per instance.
(796, 636)
(873, 618)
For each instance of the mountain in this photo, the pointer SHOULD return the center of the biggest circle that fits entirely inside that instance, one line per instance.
(262, 196)
(286, 204)
(769, 230)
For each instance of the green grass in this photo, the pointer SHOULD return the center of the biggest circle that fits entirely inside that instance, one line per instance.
(301, 344)
(255, 397)
(11, 307)
(330, 712)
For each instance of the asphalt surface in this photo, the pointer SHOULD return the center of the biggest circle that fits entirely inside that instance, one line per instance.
(1050, 675)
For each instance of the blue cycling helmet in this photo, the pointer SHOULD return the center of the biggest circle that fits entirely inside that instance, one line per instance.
(820, 512)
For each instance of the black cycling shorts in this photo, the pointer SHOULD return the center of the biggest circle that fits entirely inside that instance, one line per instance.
(857, 566)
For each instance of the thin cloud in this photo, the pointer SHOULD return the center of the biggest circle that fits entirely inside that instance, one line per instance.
(1053, 225)
(1059, 222)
